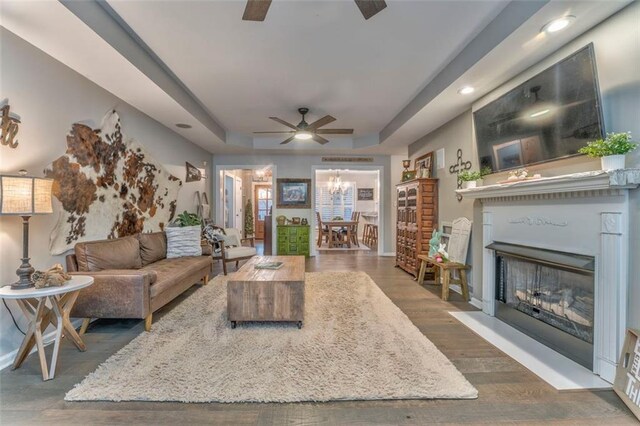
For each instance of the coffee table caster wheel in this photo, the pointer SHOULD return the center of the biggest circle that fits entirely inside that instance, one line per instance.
(299, 324)
(233, 324)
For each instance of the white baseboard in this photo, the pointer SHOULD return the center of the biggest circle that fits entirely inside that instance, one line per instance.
(389, 254)
(6, 360)
(476, 302)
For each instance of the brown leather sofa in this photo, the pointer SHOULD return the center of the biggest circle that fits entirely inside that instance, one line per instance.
(132, 276)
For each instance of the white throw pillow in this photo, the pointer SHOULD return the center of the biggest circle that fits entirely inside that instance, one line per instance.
(184, 241)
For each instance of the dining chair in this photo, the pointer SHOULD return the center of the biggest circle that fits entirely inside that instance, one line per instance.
(323, 231)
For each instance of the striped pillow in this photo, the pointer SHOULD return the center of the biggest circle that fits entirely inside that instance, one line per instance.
(183, 241)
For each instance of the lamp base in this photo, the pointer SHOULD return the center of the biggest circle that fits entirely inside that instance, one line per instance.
(25, 270)
(24, 273)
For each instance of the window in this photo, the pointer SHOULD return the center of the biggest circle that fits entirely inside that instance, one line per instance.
(330, 206)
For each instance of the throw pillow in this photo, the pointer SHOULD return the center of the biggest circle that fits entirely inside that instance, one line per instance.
(215, 236)
(183, 241)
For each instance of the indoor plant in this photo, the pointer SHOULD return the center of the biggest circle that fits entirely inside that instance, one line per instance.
(188, 219)
(470, 179)
(611, 150)
(248, 219)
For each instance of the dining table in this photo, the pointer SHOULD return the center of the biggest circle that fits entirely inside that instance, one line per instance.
(335, 239)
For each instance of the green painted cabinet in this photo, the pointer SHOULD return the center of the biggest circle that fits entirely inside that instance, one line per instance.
(293, 240)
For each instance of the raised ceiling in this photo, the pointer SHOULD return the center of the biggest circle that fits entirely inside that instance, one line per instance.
(320, 54)
(393, 78)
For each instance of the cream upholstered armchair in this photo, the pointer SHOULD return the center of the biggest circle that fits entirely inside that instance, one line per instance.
(232, 248)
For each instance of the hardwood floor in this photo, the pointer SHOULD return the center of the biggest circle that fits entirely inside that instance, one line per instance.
(508, 393)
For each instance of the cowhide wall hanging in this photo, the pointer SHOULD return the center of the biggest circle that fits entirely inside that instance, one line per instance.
(109, 187)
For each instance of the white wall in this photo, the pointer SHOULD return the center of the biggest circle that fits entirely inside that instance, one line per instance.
(50, 97)
(302, 166)
(617, 50)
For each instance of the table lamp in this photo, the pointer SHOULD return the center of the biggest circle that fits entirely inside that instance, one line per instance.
(24, 196)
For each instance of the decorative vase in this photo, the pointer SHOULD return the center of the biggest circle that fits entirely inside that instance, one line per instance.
(612, 162)
(469, 184)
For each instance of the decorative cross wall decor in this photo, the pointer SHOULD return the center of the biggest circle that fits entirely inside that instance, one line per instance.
(458, 168)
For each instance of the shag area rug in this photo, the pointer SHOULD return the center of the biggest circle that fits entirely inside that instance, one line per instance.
(355, 345)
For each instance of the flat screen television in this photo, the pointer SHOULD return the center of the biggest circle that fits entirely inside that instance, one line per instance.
(548, 117)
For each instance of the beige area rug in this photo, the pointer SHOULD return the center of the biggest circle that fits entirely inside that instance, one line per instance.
(355, 345)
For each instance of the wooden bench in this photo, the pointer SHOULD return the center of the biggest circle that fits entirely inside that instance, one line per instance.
(457, 246)
(443, 270)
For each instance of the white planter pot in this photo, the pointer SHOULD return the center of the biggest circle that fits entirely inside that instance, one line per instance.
(612, 162)
(469, 184)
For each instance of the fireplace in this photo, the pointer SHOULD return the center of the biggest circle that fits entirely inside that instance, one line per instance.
(548, 295)
(574, 303)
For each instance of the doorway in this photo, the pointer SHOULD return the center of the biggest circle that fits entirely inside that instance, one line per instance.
(352, 196)
(263, 196)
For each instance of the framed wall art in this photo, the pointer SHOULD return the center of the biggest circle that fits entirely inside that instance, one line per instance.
(293, 193)
(365, 194)
(424, 165)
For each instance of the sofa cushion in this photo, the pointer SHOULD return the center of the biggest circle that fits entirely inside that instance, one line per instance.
(119, 253)
(183, 241)
(170, 272)
(153, 247)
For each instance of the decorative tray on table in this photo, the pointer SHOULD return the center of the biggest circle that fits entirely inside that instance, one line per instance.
(269, 265)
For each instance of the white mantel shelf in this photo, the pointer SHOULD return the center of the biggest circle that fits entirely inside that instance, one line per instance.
(577, 182)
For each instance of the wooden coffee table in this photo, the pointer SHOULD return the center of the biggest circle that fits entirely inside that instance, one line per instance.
(267, 295)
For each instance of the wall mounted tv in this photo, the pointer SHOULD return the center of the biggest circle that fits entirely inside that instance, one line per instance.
(548, 117)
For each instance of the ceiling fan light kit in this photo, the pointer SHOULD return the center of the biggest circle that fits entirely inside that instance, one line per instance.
(306, 131)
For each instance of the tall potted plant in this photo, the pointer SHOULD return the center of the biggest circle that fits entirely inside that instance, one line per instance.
(248, 219)
(611, 150)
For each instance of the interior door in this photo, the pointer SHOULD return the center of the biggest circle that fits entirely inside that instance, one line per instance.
(228, 201)
(238, 208)
(263, 202)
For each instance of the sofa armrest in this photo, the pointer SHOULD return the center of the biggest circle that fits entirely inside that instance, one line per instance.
(252, 241)
(207, 249)
(115, 293)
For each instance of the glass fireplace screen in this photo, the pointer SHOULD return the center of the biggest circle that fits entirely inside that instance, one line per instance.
(562, 298)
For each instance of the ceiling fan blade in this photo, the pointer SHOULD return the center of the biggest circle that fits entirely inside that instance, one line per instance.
(283, 131)
(370, 7)
(284, 122)
(286, 141)
(320, 139)
(256, 10)
(322, 122)
(334, 131)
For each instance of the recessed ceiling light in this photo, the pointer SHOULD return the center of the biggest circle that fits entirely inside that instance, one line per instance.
(303, 135)
(465, 90)
(183, 125)
(557, 24)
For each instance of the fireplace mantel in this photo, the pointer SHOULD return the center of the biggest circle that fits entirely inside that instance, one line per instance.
(582, 213)
(566, 184)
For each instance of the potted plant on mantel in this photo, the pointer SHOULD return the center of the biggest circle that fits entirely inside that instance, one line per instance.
(470, 179)
(611, 150)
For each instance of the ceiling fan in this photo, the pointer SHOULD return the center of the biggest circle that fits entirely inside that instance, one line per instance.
(306, 131)
(256, 10)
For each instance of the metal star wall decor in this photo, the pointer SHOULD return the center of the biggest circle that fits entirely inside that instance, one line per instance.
(458, 168)
(9, 128)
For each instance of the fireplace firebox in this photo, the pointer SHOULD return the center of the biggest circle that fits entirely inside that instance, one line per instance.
(548, 295)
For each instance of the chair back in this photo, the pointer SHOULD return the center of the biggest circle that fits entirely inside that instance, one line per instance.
(232, 237)
(459, 240)
(355, 216)
(319, 219)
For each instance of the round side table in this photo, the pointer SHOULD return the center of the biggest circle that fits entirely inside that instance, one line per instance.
(33, 303)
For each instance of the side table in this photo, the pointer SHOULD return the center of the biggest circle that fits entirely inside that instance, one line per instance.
(33, 303)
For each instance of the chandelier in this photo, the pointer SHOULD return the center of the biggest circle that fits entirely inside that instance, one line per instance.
(336, 186)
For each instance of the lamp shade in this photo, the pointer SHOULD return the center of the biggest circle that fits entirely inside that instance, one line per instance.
(25, 195)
